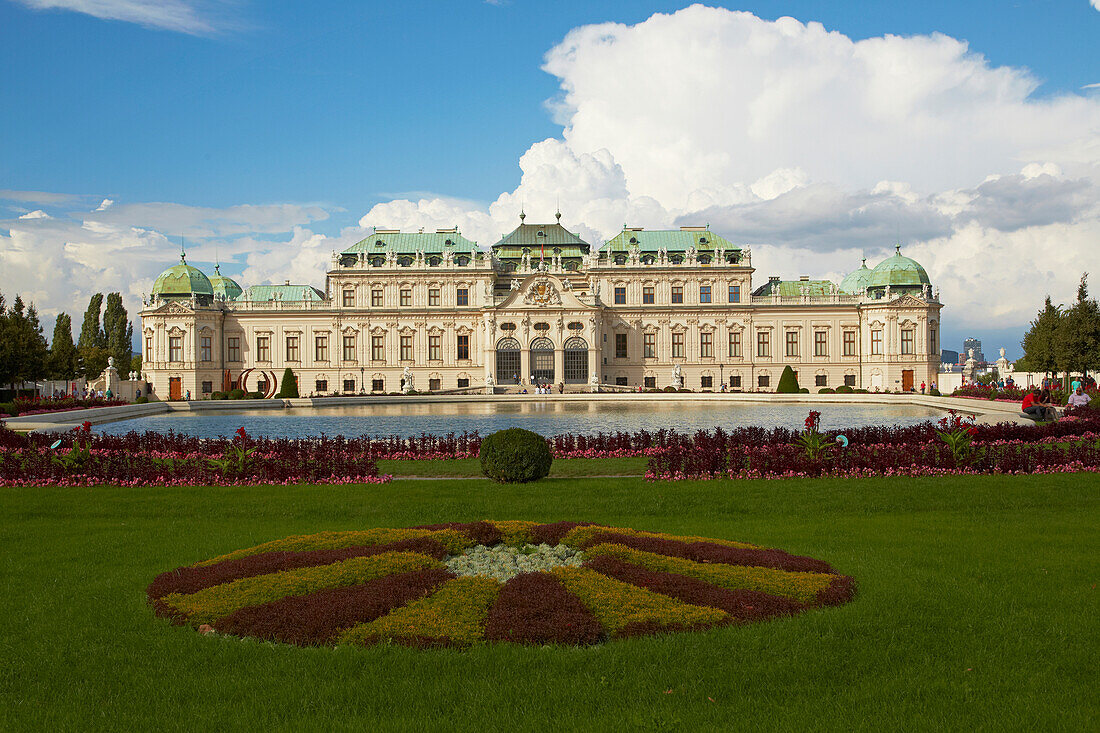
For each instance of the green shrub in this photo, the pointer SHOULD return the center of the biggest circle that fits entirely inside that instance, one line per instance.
(141, 400)
(8, 408)
(803, 390)
(934, 392)
(844, 389)
(289, 388)
(827, 390)
(257, 395)
(861, 391)
(669, 388)
(236, 394)
(788, 382)
(515, 456)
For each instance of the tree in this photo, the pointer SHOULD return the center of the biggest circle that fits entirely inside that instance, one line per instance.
(7, 348)
(118, 331)
(788, 382)
(92, 345)
(1077, 345)
(24, 334)
(135, 364)
(289, 387)
(63, 362)
(1040, 341)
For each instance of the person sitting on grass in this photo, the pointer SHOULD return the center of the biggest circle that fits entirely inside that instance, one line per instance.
(1079, 398)
(1032, 407)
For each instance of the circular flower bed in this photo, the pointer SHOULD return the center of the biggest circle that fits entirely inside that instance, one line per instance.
(462, 583)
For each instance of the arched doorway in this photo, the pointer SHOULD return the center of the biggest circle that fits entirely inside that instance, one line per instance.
(576, 360)
(508, 361)
(542, 360)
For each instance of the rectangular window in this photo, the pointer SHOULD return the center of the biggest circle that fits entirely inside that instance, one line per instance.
(907, 341)
(821, 380)
(462, 296)
(376, 298)
(821, 343)
(706, 344)
(792, 343)
(320, 348)
(434, 384)
(263, 348)
(463, 381)
(349, 298)
(763, 380)
(204, 348)
(849, 380)
(620, 381)
(292, 349)
(647, 295)
(320, 386)
(704, 293)
(377, 385)
(649, 345)
(620, 346)
(763, 345)
(932, 348)
(706, 382)
(378, 348)
(406, 348)
(735, 381)
(876, 342)
(433, 297)
(677, 346)
(175, 348)
(463, 346)
(405, 297)
(233, 348)
(620, 296)
(849, 343)
(677, 293)
(349, 385)
(735, 344)
(650, 382)
(435, 352)
(735, 293)
(349, 348)
(148, 354)
(207, 387)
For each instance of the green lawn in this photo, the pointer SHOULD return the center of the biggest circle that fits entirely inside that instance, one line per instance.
(562, 467)
(977, 609)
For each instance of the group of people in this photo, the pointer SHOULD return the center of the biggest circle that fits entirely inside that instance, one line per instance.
(544, 388)
(1039, 402)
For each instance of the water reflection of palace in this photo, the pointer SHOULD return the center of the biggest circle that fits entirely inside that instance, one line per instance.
(435, 311)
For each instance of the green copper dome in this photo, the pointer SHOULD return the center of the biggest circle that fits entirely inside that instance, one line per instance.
(182, 281)
(224, 287)
(900, 273)
(857, 281)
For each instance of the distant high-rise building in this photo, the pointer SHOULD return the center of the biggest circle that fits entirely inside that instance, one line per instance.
(947, 356)
(975, 344)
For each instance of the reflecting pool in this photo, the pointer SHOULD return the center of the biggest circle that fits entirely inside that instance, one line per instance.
(545, 417)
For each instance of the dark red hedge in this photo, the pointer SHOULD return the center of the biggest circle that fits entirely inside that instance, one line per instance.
(715, 553)
(191, 579)
(741, 605)
(841, 590)
(481, 532)
(551, 534)
(317, 618)
(535, 608)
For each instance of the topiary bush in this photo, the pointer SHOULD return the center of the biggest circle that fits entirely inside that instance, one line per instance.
(236, 394)
(515, 456)
(934, 392)
(844, 389)
(289, 388)
(827, 390)
(141, 400)
(788, 382)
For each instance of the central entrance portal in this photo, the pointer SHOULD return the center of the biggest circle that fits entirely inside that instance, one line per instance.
(542, 360)
(576, 361)
(508, 369)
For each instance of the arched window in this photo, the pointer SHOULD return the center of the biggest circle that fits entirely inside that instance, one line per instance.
(405, 261)
(576, 360)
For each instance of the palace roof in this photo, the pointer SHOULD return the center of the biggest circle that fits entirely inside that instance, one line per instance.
(223, 286)
(437, 242)
(535, 237)
(856, 282)
(182, 281)
(899, 271)
(796, 288)
(288, 292)
(670, 240)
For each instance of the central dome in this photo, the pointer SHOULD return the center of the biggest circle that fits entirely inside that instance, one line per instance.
(182, 281)
(899, 273)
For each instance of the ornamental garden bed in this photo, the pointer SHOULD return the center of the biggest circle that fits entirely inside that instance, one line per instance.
(459, 584)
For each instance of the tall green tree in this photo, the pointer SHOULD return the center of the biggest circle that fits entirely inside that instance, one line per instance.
(24, 333)
(119, 332)
(7, 347)
(1041, 340)
(1078, 342)
(92, 344)
(63, 362)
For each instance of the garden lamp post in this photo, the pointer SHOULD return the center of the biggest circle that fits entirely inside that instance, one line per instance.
(722, 374)
(362, 387)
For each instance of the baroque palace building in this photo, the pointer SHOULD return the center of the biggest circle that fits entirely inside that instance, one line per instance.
(431, 311)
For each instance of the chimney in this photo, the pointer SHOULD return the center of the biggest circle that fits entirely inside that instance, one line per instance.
(804, 278)
(773, 279)
(286, 282)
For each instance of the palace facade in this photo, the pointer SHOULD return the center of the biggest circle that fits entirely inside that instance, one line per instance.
(431, 311)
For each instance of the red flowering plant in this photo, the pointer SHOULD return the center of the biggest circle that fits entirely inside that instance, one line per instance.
(816, 444)
(958, 434)
(237, 456)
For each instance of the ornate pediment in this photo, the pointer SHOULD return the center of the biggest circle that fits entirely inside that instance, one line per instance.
(176, 309)
(908, 301)
(542, 292)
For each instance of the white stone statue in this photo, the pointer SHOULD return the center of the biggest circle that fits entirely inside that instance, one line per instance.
(489, 380)
(888, 292)
(677, 377)
(110, 362)
(515, 284)
(1002, 352)
(407, 380)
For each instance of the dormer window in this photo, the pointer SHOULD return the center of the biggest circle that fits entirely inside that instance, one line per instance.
(557, 250)
(620, 259)
(448, 243)
(633, 240)
(434, 261)
(702, 240)
(541, 234)
(462, 261)
(379, 243)
(377, 262)
(405, 261)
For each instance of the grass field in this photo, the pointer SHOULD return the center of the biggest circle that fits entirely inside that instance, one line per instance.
(977, 609)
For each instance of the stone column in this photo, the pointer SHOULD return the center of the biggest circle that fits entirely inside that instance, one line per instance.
(559, 364)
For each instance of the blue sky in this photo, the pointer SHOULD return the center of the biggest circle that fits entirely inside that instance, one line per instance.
(312, 115)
